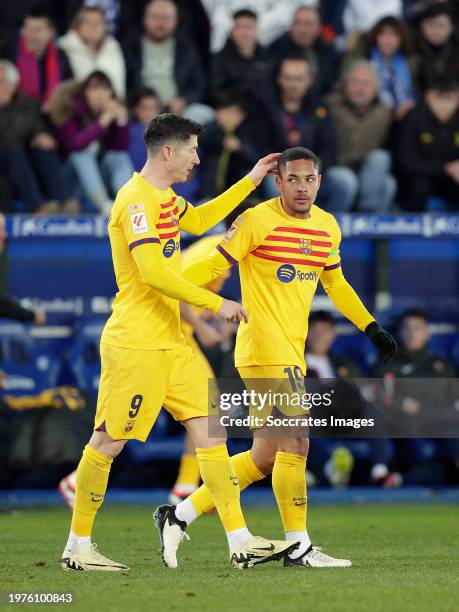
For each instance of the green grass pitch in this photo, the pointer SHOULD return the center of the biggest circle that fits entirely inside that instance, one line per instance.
(405, 559)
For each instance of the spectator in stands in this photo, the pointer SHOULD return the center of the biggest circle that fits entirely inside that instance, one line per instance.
(145, 105)
(321, 361)
(231, 143)
(274, 17)
(92, 128)
(388, 48)
(424, 407)
(89, 47)
(41, 64)
(362, 125)
(242, 63)
(428, 148)
(160, 59)
(26, 146)
(437, 45)
(304, 36)
(414, 335)
(114, 11)
(305, 121)
(360, 15)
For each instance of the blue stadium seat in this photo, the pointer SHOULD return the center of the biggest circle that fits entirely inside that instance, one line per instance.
(84, 356)
(443, 344)
(355, 346)
(425, 273)
(28, 369)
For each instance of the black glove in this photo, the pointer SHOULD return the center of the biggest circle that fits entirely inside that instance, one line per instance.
(382, 340)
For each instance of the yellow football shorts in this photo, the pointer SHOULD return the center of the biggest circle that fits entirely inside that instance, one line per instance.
(135, 384)
(284, 383)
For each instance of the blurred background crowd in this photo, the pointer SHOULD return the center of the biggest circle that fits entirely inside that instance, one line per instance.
(372, 88)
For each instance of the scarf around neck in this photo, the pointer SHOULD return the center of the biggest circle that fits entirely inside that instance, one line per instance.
(395, 77)
(28, 66)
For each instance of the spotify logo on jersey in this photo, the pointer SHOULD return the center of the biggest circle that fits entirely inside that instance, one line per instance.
(169, 248)
(286, 273)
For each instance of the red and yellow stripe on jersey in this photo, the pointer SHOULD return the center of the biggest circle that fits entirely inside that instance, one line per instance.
(281, 259)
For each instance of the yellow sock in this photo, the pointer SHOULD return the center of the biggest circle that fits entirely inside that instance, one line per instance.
(246, 472)
(188, 473)
(289, 486)
(91, 484)
(219, 477)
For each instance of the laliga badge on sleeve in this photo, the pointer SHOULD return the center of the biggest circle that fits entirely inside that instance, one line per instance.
(139, 223)
(232, 230)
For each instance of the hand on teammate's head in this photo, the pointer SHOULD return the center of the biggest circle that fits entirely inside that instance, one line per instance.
(264, 166)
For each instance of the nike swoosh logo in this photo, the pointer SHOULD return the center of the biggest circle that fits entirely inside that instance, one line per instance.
(269, 548)
(300, 503)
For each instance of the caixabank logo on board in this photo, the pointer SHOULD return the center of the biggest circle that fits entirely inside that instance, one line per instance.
(57, 228)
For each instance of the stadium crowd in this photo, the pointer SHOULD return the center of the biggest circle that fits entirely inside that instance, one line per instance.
(374, 92)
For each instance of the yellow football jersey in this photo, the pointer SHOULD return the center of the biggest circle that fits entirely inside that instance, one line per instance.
(143, 318)
(280, 261)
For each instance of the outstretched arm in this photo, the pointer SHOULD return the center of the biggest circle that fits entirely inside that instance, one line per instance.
(344, 297)
(140, 232)
(200, 219)
(206, 270)
(154, 273)
(349, 304)
(238, 242)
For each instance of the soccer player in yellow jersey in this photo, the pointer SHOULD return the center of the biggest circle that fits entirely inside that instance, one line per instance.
(283, 247)
(188, 477)
(146, 362)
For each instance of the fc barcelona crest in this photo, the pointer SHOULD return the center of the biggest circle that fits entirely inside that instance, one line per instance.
(305, 246)
(174, 219)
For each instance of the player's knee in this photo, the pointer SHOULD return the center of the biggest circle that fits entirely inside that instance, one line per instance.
(105, 445)
(264, 457)
(114, 448)
(297, 446)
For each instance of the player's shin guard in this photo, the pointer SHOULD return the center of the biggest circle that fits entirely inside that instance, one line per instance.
(246, 472)
(91, 484)
(219, 477)
(289, 486)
